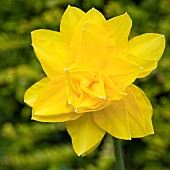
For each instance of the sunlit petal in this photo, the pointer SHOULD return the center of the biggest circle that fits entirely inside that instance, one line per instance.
(149, 47)
(93, 16)
(69, 21)
(121, 71)
(88, 50)
(53, 56)
(119, 28)
(43, 34)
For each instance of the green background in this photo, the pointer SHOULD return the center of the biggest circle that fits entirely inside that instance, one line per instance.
(30, 145)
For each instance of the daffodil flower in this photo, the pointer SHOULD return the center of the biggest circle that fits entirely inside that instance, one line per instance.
(90, 66)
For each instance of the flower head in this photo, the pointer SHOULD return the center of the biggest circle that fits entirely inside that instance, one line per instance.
(90, 67)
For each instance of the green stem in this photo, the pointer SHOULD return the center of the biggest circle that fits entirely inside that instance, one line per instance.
(118, 154)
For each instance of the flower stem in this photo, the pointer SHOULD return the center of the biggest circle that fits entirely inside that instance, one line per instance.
(118, 154)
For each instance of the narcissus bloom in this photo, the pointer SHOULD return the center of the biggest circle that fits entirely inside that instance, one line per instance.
(90, 67)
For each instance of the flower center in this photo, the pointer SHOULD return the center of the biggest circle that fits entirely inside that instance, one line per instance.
(89, 91)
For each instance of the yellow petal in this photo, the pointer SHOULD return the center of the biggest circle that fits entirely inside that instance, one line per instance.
(53, 99)
(85, 134)
(114, 120)
(112, 91)
(57, 118)
(32, 93)
(43, 34)
(92, 149)
(98, 30)
(85, 93)
(93, 16)
(88, 50)
(54, 56)
(69, 21)
(148, 46)
(119, 28)
(93, 21)
(121, 71)
(139, 112)
(147, 64)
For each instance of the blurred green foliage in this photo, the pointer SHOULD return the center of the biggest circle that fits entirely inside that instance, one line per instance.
(29, 145)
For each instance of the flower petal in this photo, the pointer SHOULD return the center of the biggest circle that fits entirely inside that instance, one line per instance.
(53, 99)
(121, 71)
(94, 22)
(93, 16)
(92, 149)
(85, 133)
(54, 56)
(139, 112)
(114, 120)
(112, 91)
(119, 30)
(57, 118)
(43, 34)
(147, 64)
(149, 47)
(69, 21)
(88, 50)
(32, 93)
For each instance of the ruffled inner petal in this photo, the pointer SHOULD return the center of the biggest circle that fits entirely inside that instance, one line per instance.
(85, 91)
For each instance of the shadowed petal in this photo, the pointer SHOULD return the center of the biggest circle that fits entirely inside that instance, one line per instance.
(57, 118)
(114, 120)
(32, 93)
(139, 112)
(53, 99)
(149, 47)
(85, 133)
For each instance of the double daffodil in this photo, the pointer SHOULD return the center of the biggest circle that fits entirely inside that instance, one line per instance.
(90, 67)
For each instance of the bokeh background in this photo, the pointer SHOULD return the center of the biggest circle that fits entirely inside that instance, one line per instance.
(30, 145)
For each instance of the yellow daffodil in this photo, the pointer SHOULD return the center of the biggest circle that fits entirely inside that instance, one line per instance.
(90, 67)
